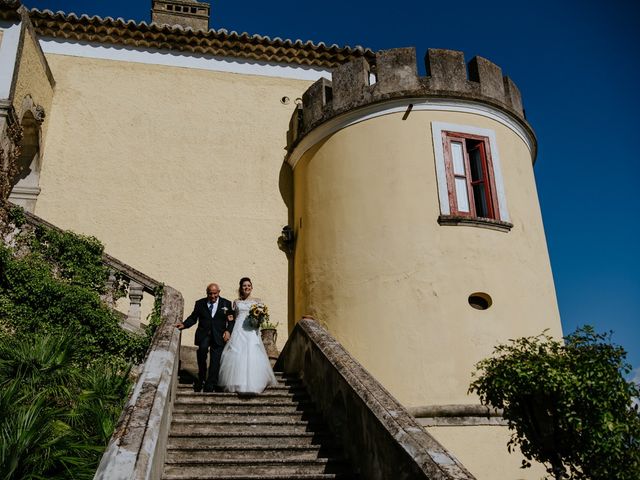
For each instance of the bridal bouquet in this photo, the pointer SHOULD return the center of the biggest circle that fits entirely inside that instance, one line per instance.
(258, 314)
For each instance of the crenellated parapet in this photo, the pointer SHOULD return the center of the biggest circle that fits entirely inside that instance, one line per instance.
(394, 75)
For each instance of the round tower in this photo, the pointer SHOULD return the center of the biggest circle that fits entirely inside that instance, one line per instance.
(419, 242)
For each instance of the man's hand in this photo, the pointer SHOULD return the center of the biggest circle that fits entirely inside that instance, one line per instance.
(179, 325)
(225, 336)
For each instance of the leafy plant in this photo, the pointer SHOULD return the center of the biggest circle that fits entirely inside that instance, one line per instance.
(39, 295)
(267, 325)
(154, 319)
(16, 216)
(56, 414)
(567, 402)
(64, 359)
(76, 258)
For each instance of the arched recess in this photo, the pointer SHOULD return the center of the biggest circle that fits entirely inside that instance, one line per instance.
(26, 182)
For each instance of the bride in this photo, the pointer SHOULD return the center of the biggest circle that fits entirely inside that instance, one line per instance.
(245, 367)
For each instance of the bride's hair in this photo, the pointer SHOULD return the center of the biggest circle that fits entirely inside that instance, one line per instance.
(242, 280)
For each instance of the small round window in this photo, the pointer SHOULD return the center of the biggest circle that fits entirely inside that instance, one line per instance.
(480, 301)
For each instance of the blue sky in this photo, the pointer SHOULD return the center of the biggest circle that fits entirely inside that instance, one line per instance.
(577, 64)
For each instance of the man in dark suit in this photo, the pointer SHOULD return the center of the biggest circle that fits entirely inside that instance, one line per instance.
(214, 316)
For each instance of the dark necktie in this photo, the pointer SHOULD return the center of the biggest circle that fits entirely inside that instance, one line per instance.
(211, 309)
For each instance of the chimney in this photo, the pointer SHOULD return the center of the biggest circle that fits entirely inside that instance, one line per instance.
(187, 13)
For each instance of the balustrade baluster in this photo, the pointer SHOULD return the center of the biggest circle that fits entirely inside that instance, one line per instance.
(109, 295)
(135, 300)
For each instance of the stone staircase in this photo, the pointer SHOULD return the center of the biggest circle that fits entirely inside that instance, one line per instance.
(275, 435)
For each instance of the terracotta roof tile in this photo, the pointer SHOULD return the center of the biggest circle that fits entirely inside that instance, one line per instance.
(175, 37)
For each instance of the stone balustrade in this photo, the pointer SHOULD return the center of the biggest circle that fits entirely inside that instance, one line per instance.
(137, 448)
(381, 439)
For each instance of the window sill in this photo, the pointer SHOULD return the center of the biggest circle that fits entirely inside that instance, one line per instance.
(475, 222)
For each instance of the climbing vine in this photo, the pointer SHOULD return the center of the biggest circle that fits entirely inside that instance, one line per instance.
(64, 359)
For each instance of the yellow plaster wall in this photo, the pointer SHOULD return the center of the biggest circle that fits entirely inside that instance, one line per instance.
(374, 266)
(32, 79)
(176, 170)
(179, 173)
(483, 451)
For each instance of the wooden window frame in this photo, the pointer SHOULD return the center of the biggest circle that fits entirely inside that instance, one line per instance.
(487, 171)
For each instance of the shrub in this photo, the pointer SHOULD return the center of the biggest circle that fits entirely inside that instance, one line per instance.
(567, 402)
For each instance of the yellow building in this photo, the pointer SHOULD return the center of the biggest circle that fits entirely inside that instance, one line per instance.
(399, 211)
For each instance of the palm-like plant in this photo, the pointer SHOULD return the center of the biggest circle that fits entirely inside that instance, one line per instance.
(100, 402)
(43, 363)
(54, 421)
(30, 432)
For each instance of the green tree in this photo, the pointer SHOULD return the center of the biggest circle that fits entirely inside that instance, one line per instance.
(568, 403)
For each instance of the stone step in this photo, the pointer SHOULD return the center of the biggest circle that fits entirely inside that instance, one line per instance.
(282, 380)
(301, 452)
(244, 408)
(294, 383)
(232, 399)
(247, 440)
(213, 469)
(273, 476)
(240, 428)
(275, 393)
(281, 387)
(282, 384)
(288, 380)
(328, 462)
(289, 376)
(276, 435)
(253, 417)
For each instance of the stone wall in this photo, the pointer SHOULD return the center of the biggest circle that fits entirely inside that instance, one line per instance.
(23, 112)
(394, 74)
(178, 171)
(380, 438)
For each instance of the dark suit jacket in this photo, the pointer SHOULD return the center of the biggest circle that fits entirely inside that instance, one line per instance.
(207, 326)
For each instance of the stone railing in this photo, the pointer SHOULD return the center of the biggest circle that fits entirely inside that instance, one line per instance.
(138, 444)
(135, 283)
(457, 415)
(380, 438)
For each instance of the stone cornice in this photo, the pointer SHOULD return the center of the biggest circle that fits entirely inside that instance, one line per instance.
(220, 42)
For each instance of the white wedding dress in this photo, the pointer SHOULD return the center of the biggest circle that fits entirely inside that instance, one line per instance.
(245, 366)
